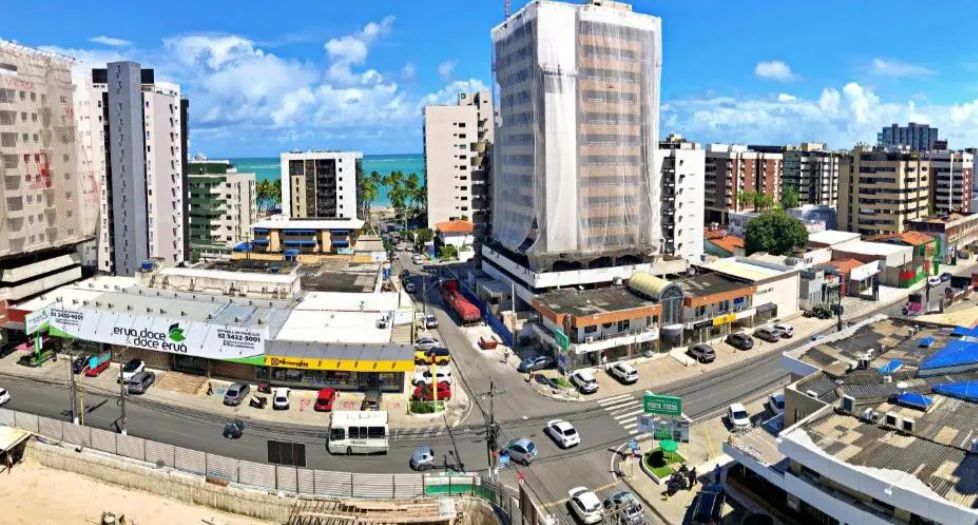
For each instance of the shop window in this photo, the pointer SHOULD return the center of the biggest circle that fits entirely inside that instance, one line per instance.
(624, 325)
(590, 329)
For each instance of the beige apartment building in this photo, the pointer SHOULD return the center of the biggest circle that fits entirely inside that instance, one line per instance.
(733, 169)
(880, 189)
(47, 192)
(223, 206)
(457, 147)
(813, 170)
(575, 177)
(321, 184)
(951, 180)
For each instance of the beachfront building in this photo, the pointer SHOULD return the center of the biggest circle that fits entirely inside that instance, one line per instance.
(813, 171)
(296, 236)
(222, 205)
(321, 184)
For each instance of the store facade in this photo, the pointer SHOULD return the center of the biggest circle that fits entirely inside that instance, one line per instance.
(349, 367)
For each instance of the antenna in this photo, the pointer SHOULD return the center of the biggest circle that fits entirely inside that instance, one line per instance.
(507, 8)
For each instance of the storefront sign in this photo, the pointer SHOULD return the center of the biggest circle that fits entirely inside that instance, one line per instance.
(36, 321)
(702, 324)
(724, 319)
(162, 334)
(339, 365)
(663, 405)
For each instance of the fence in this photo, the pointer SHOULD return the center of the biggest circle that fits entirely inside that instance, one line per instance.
(259, 475)
(497, 326)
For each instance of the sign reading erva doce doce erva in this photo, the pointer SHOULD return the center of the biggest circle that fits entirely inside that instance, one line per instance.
(214, 341)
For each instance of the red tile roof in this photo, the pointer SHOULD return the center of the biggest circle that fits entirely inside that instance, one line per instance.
(729, 243)
(455, 227)
(846, 265)
(913, 238)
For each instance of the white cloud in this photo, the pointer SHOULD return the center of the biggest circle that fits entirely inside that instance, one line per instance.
(110, 41)
(774, 70)
(408, 72)
(841, 117)
(898, 69)
(352, 50)
(446, 69)
(449, 94)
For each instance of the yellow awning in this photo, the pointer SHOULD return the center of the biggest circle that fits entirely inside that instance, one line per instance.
(340, 365)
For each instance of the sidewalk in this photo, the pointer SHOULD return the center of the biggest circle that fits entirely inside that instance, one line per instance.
(189, 392)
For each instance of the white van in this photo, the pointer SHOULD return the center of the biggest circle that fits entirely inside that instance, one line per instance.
(357, 432)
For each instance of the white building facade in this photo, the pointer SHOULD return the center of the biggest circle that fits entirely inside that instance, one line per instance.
(321, 184)
(683, 165)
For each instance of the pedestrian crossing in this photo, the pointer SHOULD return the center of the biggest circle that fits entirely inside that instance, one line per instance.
(419, 433)
(624, 409)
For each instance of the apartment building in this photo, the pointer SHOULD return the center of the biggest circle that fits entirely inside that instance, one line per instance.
(881, 189)
(321, 184)
(139, 126)
(813, 171)
(47, 193)
(951, 180)
(457, 149)
(681, 207)
(732, 170)
(575, 180)
(223, 206)
(917, 137)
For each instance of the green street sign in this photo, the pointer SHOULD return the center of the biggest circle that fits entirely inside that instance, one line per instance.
(562, 340)
(663, 405)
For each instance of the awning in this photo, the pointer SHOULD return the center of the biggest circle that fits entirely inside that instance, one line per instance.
(891, 367)
(914, 400)
(766, 308)
(340, 357)
(300, 232)
(260, 230)
(292, 252)
(243, 247)
(340, 242)
(260, 241)
(299, 242)
(10, 437)
(28, 346)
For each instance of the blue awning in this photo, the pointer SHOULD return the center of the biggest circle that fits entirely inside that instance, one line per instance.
(926, 342)
(260, 230)
(291, 252)
(340, 242)
(965, 332)
(300, 232)
(339, 232)
(966, 390)
(260, 241)
(243, 247)
(299, 242)
(891, 367)
(914, 400)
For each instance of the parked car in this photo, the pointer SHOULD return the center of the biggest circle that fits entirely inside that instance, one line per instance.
(439, 355)
(626, 505)
(280, 399)
(538, 362)
(787, 330)
(324, 400)
(776, 403)
(738, 416)
(770, 335)
(141, 382)
(371, 400)
(425, 343)
(740, 341)
(430, 322)
(79, 363)
(131, 368)
(417, 258)
(934, 280)
(702, 352)
(563, 433)
(522, 450)
(425, 378)
(4, 397)
(233, 429)
(585, 381)
(946, 276)
(707, 507)
(423, 458)
(235, 394)
(427, 393)
(585, 505)
(624, 372)
(94, 371)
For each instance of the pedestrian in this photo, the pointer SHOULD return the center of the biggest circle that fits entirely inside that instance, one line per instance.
(210, 389)
(717, 473)
(8, 461)
(692, 477)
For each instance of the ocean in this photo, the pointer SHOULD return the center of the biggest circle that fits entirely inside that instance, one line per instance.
(269, 168)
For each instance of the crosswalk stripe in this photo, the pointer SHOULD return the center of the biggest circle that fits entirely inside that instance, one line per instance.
(619, 404)
(610, 400)
(632, 424)
(627, 405)
(621, 417)
(633, 431)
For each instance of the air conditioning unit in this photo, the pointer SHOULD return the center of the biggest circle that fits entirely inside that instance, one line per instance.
(870, 416)
(974, 446)
(908, 425)
(887, 379)
(863, 363)
(891, 420)
(589, 339)
(849, 404)
(851, 365)
(812, 394)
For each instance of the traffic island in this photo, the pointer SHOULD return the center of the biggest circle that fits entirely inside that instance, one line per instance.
(425, 407)
(660, 464)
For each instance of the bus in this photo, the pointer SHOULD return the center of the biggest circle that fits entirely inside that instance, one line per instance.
(357, 432)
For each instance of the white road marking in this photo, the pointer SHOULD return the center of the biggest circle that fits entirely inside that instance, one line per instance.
(620, 404)
(618, 409)
(621, 417)
(611, 400)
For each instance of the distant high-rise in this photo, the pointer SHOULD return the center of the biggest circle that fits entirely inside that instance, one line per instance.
(575, 178)
(321, 184)
(138, 126)
(735, 170)
(918, 137)
(223, 206)
(681, 207)
(951, 181)
(813, 171)
(457, 146)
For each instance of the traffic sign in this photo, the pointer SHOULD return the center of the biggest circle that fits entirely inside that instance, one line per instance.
(646, 424)
(561, 339)
(664, 405)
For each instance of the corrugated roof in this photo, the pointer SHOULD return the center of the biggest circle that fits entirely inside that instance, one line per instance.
(728, 243)
(455, 226)
(743, 269)
(846, 265)
(913, 238)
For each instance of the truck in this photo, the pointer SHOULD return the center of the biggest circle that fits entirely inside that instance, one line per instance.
(467, 312)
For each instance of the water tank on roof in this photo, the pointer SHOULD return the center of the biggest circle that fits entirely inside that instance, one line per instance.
(646, 284)
(146, 266)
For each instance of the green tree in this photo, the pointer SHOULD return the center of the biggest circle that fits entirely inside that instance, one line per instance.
(774, 232)
(422, 236)
(267, 194)
(789, 197)
(448, 252)
(762, 201)
(746, 199)
(369, 191)
(412, 187)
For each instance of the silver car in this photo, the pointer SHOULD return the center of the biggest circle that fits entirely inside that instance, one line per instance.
(522, 450)
(423, 458)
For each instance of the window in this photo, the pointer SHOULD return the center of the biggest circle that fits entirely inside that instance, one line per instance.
(337, 434)
(376, 432)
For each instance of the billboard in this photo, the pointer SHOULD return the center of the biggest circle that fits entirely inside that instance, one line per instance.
(664, 405)
(36, 321)
(163, 334)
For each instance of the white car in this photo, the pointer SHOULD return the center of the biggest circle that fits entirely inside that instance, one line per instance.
(4, 397)
(585, 505)
(786, 330)
(426, 343)
(776, 403)
(417, 259)
(131, 368)
(280, 399)
(738, 416)
(934, 280)
(563, 433)
(624, 372)
(585, 381)
(424, 378)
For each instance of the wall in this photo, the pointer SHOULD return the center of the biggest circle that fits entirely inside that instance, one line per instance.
(164, 173)
(782, 291)
(448, 133)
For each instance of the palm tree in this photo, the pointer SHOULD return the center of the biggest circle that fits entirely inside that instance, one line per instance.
(369, 191)
(411, 186)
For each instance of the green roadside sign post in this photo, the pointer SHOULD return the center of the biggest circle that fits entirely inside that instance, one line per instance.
(670, 406)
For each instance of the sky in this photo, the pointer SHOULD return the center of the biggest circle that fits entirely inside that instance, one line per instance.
(264, 78)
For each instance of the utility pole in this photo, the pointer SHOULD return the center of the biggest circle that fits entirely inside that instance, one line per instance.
(492, 427)
(72, 393)
(122, 401)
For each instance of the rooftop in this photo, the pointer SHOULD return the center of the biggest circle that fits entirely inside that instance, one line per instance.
(237, 274)
(873, 248)
(455, 227)
(340, 275)
(336, 327)
(746, 268)
(251, 266)
(831, 237)
(909, 237)
(590, 302)
(845, 265)
(728, 243)
(279, 222)
(709, 284)
(943, 219)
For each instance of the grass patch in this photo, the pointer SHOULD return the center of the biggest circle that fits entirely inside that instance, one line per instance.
(662, 463)
(426, 407)
(563, 382)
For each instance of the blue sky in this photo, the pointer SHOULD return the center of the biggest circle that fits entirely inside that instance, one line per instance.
(265, 79)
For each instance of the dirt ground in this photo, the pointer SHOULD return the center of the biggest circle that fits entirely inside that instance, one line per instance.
(36, 495)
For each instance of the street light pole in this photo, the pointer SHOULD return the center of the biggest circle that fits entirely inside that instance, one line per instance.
(122, 400)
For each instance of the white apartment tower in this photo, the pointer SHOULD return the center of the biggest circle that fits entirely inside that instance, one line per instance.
(813, 171)
(457, 144)
(143, 212)
(575, 180)
(952, 181)
(321, 184)
(681, 207)
(47, 190)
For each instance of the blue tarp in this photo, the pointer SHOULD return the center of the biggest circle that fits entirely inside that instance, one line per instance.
(299, 242)
(243, 247)
(260, 241)
(292, 252)
(954, 354)
(891, 367)
(260, 230)
(965, 332)
(926, 342)
(967, 390)
(914, 400)
(340, 242)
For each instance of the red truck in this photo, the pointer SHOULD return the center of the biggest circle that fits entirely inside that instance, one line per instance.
(454, 299)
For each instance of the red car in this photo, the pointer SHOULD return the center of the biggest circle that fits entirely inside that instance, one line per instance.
(98, 369)
(425, 393)
(325, 399)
